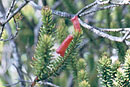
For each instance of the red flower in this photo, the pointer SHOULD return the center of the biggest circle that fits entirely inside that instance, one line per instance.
(34, 59)
(76, 23)
(64, 45)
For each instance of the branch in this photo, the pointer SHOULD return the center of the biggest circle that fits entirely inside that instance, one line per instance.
(62, 14)
(7, 18)
(45, 83)
(118, 2)
(10, 9)
(15, 53)
(50, 84)
(102, 34)
(115, 30)
(86, 7)
(103, 2)
(95, 10)
(14, 13)
(98, 31)
(12, 36)
(55, 12)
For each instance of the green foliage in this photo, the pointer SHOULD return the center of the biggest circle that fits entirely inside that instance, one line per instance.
(127, 67)
(123, 73)
(105, 71)
(115, 75)
(82, 74)
(61, 62)
(43, 52)
(108, 71)
(73, 56)
(115, 66)
(119, 80)
(84, 84)
(45, 64)
(61, 31)
(53, 66)
(48, 27)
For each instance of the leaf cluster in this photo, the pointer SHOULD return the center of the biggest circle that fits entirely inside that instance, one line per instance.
(114, 74)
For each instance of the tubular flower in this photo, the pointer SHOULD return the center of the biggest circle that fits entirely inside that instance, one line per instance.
(64, 45)
(76, 23)
(34, 59)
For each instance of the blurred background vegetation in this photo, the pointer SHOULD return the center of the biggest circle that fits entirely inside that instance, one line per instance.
(91, 48)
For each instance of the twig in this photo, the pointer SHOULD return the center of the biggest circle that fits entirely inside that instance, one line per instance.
(50, 84)
(102, 2)
(115, 30)
(95, 10)
(62, 14)
(55, 12)
(125, 36)
(10, 9)
(2, 29)
(34, 82)
(14, 13)
(100, 33)
(13, 84)
(15, 53)
(34, 5)
(58, 13)
(45, 83)
(86, 7)
(12, 36)
(117, 2)
(8, 18)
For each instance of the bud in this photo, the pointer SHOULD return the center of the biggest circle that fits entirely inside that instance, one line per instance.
(76, 24)
(64, 45)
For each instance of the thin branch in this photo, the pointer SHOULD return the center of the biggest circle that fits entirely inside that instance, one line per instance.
(127, 42)
(9, 18)
(13, 84)
(115, 30)
(12, 36)
(55, 12)
(125, 36)
(15, 52)
(34, 5)
(2, 29)
(99, 9)
(62, 14)
(50, 84)
(45, 83)
(117, 2)
(102, 2)
(14, 13)
(100, 33)
(58, 13)
(86, 7)
(10, 9)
